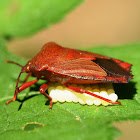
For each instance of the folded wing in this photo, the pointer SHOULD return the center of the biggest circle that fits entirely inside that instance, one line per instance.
(98, 70)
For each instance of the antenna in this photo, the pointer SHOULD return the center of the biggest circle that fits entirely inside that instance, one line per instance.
(8, 61)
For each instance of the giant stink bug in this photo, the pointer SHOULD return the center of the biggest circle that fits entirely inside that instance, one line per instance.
(57, 64)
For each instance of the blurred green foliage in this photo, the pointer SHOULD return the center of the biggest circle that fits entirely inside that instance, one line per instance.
(24, 17)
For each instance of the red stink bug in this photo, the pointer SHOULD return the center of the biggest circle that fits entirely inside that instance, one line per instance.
(57, 64)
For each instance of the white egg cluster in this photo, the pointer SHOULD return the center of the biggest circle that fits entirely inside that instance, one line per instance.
(60, 93)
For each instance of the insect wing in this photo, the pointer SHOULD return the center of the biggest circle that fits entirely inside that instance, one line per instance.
(78, 68)
(98, 70)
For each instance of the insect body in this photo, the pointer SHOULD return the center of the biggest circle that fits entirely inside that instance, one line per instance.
(57, 64)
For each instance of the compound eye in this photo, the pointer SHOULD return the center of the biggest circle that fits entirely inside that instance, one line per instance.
(27, 68)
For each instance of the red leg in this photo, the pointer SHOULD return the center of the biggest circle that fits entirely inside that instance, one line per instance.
(43, 88)
(29, 74)
(80, 90)
(22, 87)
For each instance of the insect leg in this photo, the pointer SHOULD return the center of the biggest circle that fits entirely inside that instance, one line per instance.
(81, 90)
(22, 87)
(43, 88)
(29, 74)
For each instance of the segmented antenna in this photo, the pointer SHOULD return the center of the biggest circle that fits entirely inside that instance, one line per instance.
(8, 61)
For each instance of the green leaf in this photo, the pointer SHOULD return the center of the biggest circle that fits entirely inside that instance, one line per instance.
(32, 119)
(25, 17)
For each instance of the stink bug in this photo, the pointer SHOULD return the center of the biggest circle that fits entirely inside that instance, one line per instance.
(57, 64)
